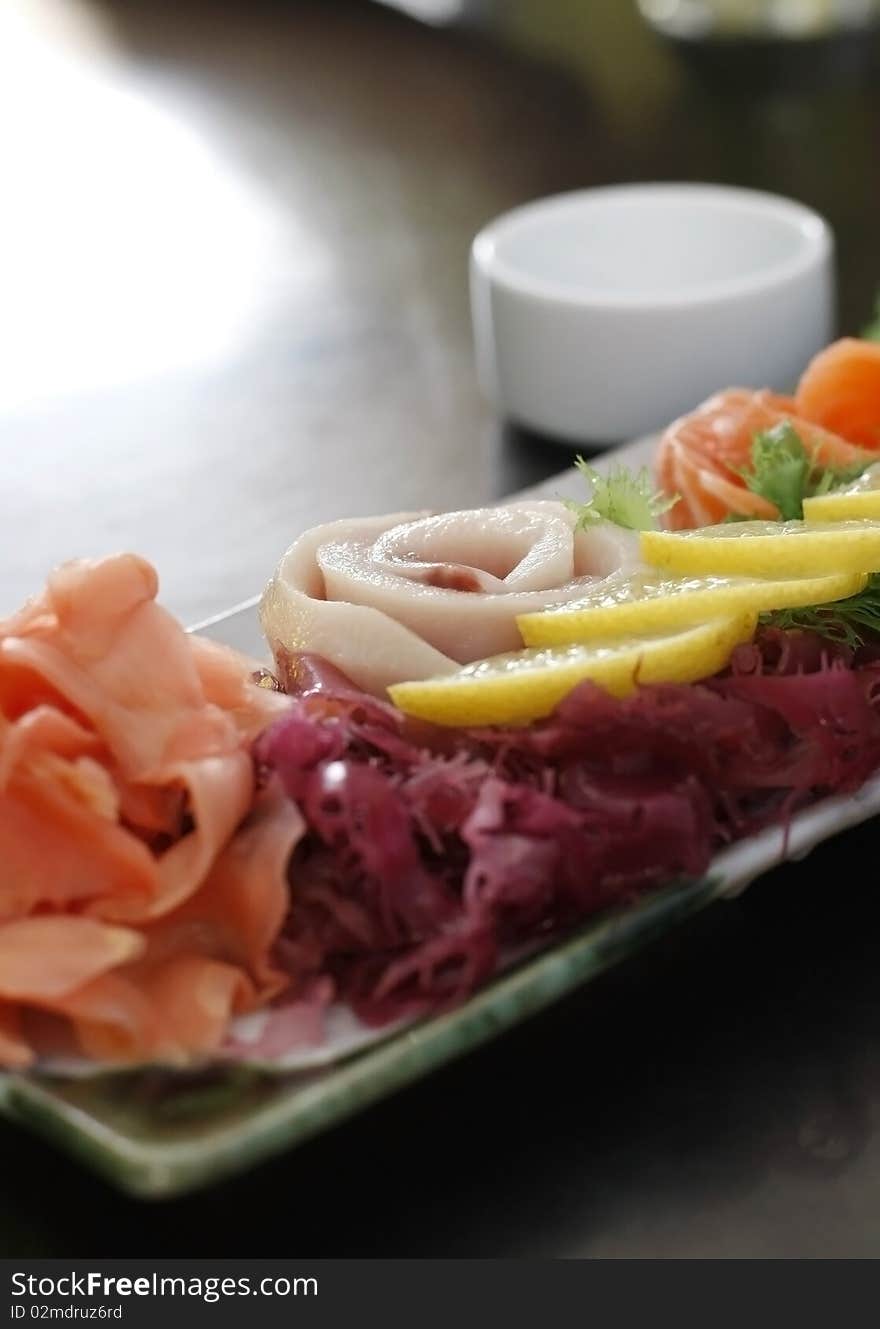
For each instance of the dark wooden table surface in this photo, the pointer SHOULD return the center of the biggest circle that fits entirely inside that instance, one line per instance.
(234, 303)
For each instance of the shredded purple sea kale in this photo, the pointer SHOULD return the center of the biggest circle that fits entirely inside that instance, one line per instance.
(430, 852)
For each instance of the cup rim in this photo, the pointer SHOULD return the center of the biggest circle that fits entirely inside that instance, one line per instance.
(814, 247)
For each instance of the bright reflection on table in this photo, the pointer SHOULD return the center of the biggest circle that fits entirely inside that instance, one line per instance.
(129, 247)
(431, 11)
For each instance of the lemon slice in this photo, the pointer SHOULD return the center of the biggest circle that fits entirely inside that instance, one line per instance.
(844, 505)
(857, 500)
(648, 601)
(767, 548)
(525, 685)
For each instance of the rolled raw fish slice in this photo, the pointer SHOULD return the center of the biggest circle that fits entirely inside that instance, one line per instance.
(414, 595)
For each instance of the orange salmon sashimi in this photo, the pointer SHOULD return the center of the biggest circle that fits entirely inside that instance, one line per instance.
(701, 456)
(142, 876)
(840, 389)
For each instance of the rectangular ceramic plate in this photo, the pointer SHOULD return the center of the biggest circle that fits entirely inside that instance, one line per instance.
(158, 1135)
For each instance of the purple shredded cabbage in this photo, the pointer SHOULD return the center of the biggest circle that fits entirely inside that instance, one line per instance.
(431, 852)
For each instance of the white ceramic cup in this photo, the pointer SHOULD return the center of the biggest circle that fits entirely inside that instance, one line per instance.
(605, 313)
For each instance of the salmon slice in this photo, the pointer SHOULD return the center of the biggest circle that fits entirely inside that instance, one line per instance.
(707, 495)
(840, 389)
(15, 1051)
(701, 456)
(142, 877)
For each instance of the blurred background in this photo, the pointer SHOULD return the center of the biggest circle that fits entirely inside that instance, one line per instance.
(233, 292)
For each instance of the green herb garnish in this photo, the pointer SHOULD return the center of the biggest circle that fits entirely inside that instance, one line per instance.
(780, 470)
(850, 622)
(872, 331)
(783, 472)
(625, 497)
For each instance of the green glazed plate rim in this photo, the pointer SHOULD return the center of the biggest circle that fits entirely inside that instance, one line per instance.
(308, 1104)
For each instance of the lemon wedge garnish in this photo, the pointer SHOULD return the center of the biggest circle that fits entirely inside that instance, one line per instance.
(650, 602)
(767, 548)
(525, 685)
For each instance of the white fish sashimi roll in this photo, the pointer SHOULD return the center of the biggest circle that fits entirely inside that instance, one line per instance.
(412, 595)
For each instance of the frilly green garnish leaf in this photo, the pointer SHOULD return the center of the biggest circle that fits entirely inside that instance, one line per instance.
(622, 496)
(779, 470)
(872, 331)
(783, 472)
(851, 622)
